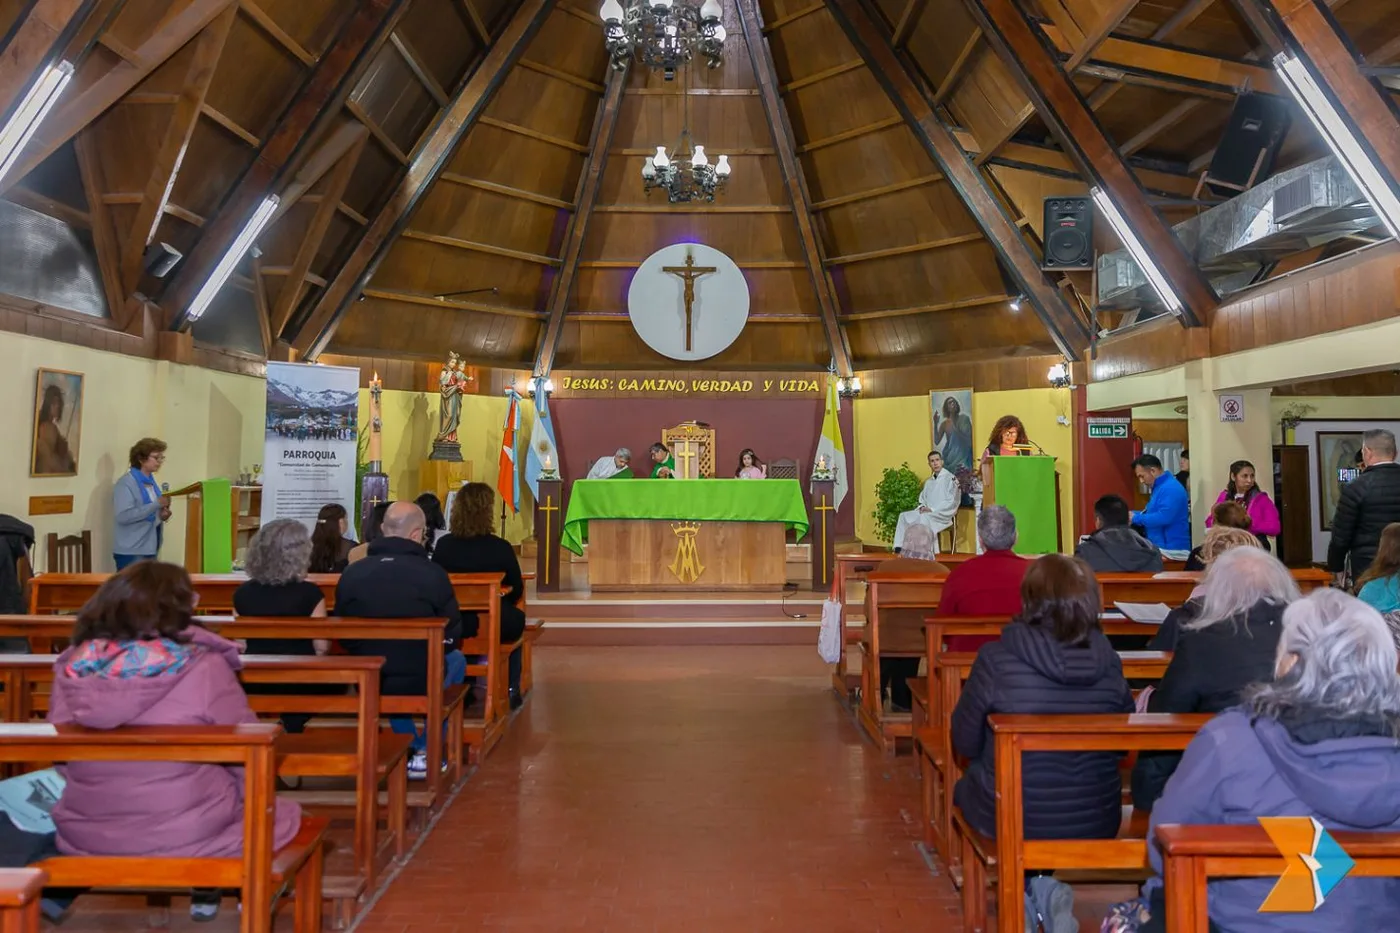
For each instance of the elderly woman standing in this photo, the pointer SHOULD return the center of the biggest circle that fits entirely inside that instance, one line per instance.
(277, 562)
(139, 508)
(1229, 645)
(1319, 740)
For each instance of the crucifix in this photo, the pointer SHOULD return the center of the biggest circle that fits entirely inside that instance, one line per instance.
(685, 452)
(689, 272)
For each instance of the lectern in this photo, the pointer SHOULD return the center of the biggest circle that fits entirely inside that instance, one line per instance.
(214, 517)
(1030, 488)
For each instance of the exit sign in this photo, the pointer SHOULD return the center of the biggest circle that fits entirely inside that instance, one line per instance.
(1109, 427)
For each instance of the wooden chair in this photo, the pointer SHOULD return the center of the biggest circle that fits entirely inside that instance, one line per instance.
(72, 554)
(782, 468)
(259, 873)
(1192, 855)
(20, 891)
(1012, 855)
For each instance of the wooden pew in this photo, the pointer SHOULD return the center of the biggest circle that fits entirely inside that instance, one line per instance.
(1010, 853)
(438, 707)
(20, 891)
(258, 873)
(1193, 854)
(364, 754)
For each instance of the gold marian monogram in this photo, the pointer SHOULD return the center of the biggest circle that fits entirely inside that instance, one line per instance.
(686, 566)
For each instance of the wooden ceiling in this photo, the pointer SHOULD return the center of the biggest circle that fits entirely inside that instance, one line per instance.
(889, 164)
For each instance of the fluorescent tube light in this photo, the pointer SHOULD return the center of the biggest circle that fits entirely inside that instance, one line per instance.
(32, 110)
(225, 268)
(1136, 250)
(1318, 106)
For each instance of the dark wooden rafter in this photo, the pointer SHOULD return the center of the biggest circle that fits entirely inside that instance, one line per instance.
(430, 158)
(1172, 67)
(1074, 126)
(1183, 18)
(751, 20)
(1109, 20)
(908, 19)
(590, 180)
(204, 55)
(334, 189)
(358, 40)
(1065, 326)
(1333, 62)
(34, 42)
(78, 110)
(335, 144)
(104, 238)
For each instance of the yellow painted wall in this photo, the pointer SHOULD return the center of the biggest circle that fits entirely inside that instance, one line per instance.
(410, 424)
(211, 420)
(1332, 407)
(890, 431)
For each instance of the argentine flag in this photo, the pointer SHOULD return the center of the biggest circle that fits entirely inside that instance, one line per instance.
(542, 444)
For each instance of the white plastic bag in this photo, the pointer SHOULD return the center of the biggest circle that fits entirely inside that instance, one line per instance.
(831, 642)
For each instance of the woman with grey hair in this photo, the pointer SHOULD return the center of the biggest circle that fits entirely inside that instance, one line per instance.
(1229, 645)
(276, 564)
(1319, 740)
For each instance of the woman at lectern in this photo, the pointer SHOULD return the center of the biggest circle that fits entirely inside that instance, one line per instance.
(139, 508)
(1008, 434)
(750, 467)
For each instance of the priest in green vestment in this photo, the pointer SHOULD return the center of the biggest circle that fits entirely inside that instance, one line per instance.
(663, 465)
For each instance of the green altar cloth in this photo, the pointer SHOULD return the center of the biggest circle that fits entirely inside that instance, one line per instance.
(714, 500)
(1026, 486)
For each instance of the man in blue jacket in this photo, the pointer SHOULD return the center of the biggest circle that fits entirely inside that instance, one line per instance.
(1167, 518)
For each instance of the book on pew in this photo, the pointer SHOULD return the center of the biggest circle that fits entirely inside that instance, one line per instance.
(1145, 613)
(28, 800)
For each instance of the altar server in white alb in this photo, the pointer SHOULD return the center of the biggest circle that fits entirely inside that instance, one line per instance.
(938, 504)
(607, 467)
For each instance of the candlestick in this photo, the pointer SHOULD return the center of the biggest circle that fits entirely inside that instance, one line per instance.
(375, 424)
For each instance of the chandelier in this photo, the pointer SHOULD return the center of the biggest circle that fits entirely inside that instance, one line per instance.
(683, 178)
(662, 34)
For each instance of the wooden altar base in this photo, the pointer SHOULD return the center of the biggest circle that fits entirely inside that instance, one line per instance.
(646, 555)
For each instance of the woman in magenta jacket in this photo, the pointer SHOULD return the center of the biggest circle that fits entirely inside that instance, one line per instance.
(1263, 515)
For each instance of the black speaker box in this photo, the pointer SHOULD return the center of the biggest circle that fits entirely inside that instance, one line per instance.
(1246, 153)
(1069, 233)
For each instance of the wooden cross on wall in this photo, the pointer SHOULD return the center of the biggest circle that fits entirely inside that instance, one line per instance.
(689, 272)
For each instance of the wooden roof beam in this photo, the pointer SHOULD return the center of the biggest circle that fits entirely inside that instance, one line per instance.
(76, 111)
(590, 180)
(430, 158)
(1183, 18)
(908, 19)
(357, 42)
(1063, 323)
(1181, 69)
(1110, 19)
(766, 74)
(1317, 41)
(35, 42)
(1074, 126)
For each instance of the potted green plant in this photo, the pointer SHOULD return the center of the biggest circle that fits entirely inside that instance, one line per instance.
(897, 491)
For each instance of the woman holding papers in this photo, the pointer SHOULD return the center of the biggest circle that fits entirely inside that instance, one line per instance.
(938, 504)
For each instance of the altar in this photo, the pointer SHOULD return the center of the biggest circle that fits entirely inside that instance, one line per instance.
(699, 534)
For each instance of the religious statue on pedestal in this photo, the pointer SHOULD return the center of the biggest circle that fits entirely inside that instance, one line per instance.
(451, 384)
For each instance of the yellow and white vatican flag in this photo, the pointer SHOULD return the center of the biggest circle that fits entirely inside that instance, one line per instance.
(831, 449)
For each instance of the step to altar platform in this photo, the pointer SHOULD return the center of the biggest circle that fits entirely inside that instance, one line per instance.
(677, 619)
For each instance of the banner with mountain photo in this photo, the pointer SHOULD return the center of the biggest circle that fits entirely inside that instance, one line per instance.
(310, 431)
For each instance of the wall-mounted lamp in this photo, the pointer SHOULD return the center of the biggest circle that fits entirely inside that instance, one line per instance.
(848, 386)
(538, 381)
(1059, 377)
(1016, 302)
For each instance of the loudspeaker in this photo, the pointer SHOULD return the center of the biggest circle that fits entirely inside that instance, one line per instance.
(1069, 233)
(1246, 153)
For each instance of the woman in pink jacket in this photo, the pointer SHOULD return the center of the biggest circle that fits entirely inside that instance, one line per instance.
(1263, 515)
(138, 659)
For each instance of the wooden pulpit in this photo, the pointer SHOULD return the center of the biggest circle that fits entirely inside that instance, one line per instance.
(688, 453)
(822, 534)
(549, 522)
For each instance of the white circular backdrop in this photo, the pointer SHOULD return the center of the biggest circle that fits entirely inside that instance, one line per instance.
(656, 302)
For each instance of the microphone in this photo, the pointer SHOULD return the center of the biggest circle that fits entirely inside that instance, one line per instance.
(164, 487)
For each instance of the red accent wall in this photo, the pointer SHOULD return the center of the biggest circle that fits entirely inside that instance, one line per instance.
(1104, 464)
(589, 428)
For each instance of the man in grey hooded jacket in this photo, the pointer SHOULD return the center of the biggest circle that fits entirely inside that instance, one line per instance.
(1114, 547)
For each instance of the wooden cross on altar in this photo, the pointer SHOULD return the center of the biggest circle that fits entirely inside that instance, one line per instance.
(689, 272)
(686, 452)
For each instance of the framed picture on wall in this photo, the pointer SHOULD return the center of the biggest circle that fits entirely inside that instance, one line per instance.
(952, 428)
(1336, 466)
(58, 423)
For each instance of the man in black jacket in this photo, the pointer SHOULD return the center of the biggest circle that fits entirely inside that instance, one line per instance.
(395, 580)
(1114, 547)
(1367, 504)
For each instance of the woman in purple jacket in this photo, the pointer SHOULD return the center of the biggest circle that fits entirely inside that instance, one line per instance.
(138, 659)
(1319, 741)
(1242, 488)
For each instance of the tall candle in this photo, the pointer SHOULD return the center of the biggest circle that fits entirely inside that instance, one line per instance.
(375, 387)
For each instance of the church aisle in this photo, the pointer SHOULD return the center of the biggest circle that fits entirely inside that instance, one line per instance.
(675, 789)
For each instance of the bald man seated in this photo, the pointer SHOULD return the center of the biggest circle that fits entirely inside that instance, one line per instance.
(396, 580)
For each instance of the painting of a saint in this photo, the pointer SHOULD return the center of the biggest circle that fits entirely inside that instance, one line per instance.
(952, 427)
(58, 423)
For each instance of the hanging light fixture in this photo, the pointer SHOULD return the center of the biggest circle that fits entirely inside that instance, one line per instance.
(683, 178)
(663, 34)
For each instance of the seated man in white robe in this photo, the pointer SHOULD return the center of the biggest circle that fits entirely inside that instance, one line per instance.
(938, 504)
(607, 467)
